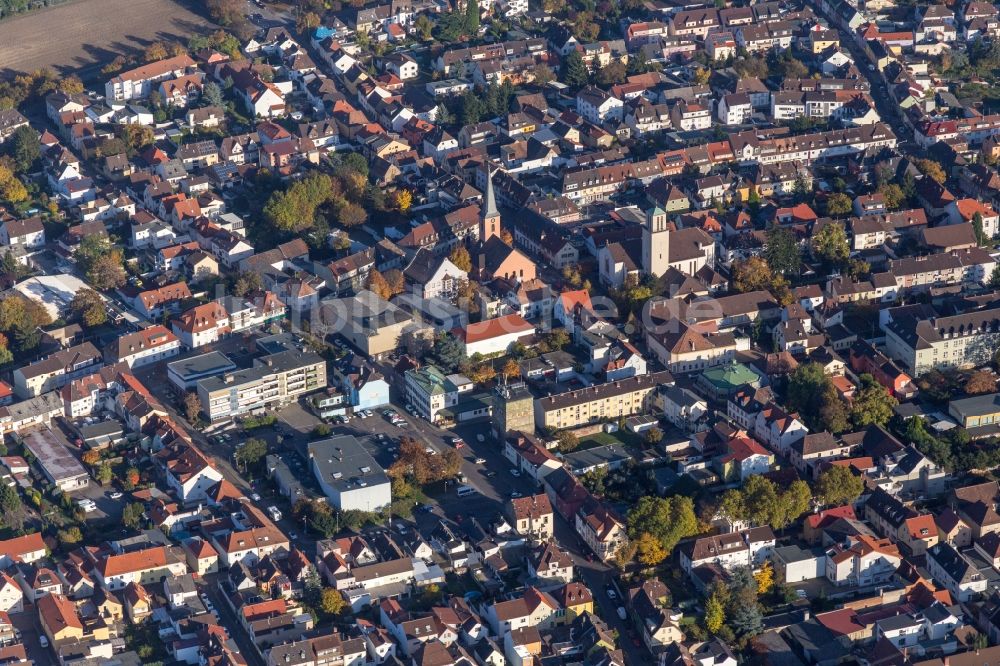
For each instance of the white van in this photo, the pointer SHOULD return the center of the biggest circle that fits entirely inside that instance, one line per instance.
(274, 513)
(464, 491)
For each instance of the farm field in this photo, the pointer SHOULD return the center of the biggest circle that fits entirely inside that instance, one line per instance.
(82, 35)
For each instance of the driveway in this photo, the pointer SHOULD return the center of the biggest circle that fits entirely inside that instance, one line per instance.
(27, 623)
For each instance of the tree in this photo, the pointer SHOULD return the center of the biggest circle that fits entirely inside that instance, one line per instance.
(247, 283)
(765, 504)
(872, 404)
(461, 258)
(931, 169)
(91, 457)
(472, 108)
(764, 578)
(702, 75)
(307, 21)
(448, 351)
(893, 194)
(612, 73)
(13, 190)
(10, 501)
(212, 94)
(425, 27)
(567, 441)
(192, 406)
(650, 550)
(24, 149)
(483, 373)
(404, 199)
(155, 51)
(830, 245)
(132, 514)
(396, 281)
(252, 451)
(472, 17)
(838, 205)
(332, 601)
(544, 75)
(838, 485)
(70, 536)
(977, 227)
(654, 436)
(751, 274)
(105, 473)
(135, 137)
(294, 209)
(71, 85)
(573, 72)
(782, 251)
(377, 284)
(981, 381)
(132, 477)
(668, 519)
(102, 264)
(511, 369)
(87, 307)
(351, 214)
(715, 614)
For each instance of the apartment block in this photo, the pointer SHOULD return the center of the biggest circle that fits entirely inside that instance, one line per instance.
(274, 380)
(611, 400)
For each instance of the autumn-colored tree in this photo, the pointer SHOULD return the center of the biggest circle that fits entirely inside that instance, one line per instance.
(307, 21)
(378, 285)
(155, 51)
(702, 75)
(71, 85)
(511, 369)
(932, 170)
(506, 237)
(333, 601)
(192, 406)
(461, 258)
(650, 550)
(404, 199)
(91, 457)
(351, 215)
(764, 578)
(132, 476)
(483, 373)
(88, 308)
(396, 281)
(715, 614)
(981, 381)
(11, 189)
(751, 274)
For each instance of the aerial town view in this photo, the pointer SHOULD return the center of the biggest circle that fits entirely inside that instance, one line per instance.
(499, 332)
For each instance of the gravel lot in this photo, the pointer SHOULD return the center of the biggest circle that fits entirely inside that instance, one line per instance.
(80, 35)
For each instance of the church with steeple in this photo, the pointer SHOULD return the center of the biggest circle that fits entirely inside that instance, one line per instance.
(652, 245)
(492, 257)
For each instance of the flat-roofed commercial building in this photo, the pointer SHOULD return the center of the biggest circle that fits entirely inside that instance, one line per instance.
(187, 372)
(55, 458)
(274, 380)
(348, 475)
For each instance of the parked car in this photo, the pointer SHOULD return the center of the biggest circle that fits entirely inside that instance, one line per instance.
(480, 461)
(115, 495)
(621, 612)
(515, 473)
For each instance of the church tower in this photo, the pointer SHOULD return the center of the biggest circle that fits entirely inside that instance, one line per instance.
(489, 216)
(655, 243)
